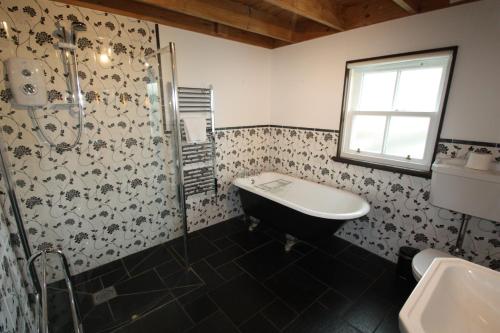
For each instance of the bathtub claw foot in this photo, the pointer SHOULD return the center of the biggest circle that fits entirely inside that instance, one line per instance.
(290, 242)
(254, 223)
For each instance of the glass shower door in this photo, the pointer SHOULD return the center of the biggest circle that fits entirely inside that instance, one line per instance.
(111, 203)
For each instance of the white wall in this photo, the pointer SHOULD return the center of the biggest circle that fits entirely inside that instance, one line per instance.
(307, 78)
(240, 74)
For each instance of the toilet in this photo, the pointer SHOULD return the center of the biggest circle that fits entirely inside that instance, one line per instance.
(456, 187)
(422, 261)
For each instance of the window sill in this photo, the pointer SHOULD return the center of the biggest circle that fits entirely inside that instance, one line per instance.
(416, 173)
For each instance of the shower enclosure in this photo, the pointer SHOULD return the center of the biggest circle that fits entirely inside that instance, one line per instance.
(111, 202)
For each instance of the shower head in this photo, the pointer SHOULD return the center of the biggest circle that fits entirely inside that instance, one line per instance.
(68, 36)
(78, 26)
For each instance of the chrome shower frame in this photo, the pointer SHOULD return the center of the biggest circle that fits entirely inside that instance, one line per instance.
(43, 317)
(176, 132)
(178, 148)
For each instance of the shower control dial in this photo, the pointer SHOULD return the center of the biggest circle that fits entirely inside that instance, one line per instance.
(29, 89)
(26, 72)
(27, 82)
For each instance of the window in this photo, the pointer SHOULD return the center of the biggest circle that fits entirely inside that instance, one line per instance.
(393, 109)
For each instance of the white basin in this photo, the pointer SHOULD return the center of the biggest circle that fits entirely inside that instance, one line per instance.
(453, 296)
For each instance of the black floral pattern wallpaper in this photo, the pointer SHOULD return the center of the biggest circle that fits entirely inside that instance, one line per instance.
(401, 214)
(15, 314)
(114, 193)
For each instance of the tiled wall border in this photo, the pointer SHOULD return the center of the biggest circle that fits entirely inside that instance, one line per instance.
(442, 140)
(469, 142)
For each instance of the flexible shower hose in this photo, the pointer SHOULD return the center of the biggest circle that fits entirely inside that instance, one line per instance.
(74, 75)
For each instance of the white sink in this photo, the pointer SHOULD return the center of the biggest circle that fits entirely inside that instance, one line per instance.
(453, 296)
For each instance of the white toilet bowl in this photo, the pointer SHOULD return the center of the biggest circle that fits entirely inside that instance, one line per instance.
(422, 260)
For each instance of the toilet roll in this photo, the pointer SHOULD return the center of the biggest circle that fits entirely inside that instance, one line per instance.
(479, 161)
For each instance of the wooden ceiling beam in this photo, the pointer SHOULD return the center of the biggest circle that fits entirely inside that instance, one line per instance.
(321, 11)
(177, 20)
(361, 13)
(306, 29)
(410, 6)
(234, 14)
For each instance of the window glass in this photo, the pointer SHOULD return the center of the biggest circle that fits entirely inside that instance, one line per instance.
(407, 136)
(377, 91)
(418, 89)
(392, 110)
(367, 133)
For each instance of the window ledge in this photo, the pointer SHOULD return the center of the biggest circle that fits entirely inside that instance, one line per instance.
(416, 173)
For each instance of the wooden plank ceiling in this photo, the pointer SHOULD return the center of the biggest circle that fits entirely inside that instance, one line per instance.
(267, 23)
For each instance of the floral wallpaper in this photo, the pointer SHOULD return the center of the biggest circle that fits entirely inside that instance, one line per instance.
(114, 193)
(238, 150)
(15, 313)
(401, 214)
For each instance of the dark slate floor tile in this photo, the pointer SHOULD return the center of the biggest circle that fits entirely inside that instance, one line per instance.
(149, 281)
(84, 293)
(341, 277)
(390, 323)
(333, 245)
(392, 288)
(296, 287)
(303, 248)
(267, 260)
(335, 302)
(250, 240)
(216, 323)
(168, 318)
(200, 308)
(223, 243)
(59, 314)
(128, 307)
(367, 313)
(98, 319)
(146, 259)
(258, 324)
(114, 277)
(168, 268)
(224, 229)
(224, 256)
(209, 276)
(364, 261)
(318, 319)
(183, 282)
(97, 271)
(211, 279)
(241, 298)
(279, 314)
(229, 271)
(198, 248)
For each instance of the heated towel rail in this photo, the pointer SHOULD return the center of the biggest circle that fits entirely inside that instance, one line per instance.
(198, 159)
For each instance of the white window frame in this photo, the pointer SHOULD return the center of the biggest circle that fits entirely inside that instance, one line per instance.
(425, 59)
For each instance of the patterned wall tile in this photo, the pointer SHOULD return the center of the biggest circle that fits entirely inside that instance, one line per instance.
(114, 194)
(15, 313)
(237, 151)
(400, 215)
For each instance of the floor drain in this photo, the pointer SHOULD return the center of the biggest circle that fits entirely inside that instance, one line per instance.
(104, 295)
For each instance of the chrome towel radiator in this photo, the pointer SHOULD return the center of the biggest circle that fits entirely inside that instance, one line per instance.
(42, 309)
(198, 159)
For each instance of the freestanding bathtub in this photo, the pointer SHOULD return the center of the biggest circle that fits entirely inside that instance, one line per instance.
(299, 208)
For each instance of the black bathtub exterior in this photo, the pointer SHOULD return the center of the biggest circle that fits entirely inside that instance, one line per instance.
(287, 220)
